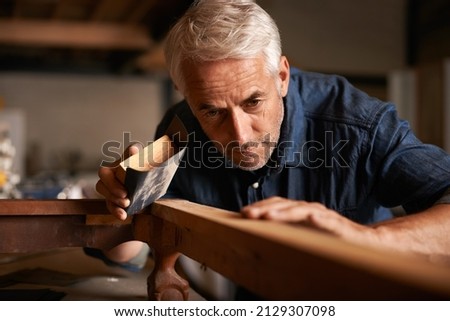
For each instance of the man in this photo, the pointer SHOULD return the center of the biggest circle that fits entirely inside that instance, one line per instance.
(277, 143)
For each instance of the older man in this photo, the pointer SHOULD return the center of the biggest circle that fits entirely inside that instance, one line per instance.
(274, 142)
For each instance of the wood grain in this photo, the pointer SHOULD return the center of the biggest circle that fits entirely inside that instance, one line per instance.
(282, 261)
(274, 260)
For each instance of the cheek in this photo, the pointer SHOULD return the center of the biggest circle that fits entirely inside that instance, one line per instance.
(275, 116)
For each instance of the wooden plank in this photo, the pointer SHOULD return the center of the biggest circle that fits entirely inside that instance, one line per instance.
(65, 34)
(275, 260)
(282, 261)
(22, 234)
(53, 207)
(107, 220)
(34, 225)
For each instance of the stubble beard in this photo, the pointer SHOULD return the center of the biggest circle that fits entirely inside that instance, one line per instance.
(255, 155)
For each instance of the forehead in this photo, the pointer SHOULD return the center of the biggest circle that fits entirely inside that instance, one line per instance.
(224, 76)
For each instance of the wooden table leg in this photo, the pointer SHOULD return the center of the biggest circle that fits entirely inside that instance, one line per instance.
(164, 283)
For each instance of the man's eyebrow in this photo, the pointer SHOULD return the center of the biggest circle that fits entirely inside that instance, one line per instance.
(253, 96)
(206, 106)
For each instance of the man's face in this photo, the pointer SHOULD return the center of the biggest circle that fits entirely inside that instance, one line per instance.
(239, 106)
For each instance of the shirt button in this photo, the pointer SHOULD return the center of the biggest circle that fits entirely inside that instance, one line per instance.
(255, 185)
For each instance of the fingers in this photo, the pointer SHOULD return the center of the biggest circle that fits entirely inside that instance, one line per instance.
(131, 150)
(108, 185)
(309, 213)
(116, 211)
(112, 189)
(114, 204)
(264, 207)
(117, 196)
(281, 209)
(258, 209)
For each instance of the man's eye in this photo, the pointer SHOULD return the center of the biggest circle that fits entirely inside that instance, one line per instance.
(212, 113)
(252, 103)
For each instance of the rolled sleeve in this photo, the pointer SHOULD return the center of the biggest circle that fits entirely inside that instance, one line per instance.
(412, 174)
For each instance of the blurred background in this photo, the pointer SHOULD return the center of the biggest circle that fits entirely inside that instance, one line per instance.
(76, 75)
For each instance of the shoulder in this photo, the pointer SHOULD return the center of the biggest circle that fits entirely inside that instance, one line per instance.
(332, 98)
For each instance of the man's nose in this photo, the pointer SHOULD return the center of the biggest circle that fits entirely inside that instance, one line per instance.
(240, 127)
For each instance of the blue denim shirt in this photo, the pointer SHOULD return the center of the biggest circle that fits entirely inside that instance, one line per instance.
(338, 146)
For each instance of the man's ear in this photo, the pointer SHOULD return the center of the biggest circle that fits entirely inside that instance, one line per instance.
(284, 75)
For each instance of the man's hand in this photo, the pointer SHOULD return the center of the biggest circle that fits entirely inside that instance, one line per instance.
(112, 189)
(423, 234)
(311, 214)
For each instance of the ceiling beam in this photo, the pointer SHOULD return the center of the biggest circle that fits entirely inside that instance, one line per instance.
(73, 35)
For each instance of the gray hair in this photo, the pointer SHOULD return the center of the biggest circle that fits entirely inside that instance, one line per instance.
(214, 30)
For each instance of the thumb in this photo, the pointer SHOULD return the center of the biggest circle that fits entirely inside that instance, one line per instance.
(131, 150)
